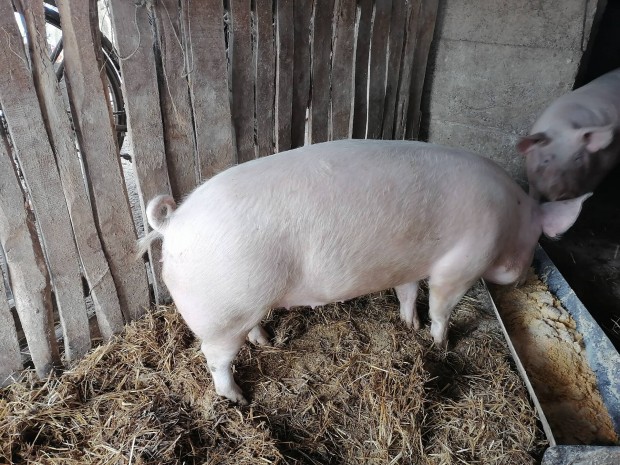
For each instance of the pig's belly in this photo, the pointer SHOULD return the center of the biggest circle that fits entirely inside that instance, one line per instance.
(314, 291)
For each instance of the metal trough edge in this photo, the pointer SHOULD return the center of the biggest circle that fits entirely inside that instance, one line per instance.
(601, 355)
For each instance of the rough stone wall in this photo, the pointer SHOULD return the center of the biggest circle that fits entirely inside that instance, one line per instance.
(495, 65)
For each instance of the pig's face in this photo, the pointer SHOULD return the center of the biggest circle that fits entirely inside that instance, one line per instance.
(564, 166)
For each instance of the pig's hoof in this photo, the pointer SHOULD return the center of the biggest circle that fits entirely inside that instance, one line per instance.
(235, 395)
(259, 336)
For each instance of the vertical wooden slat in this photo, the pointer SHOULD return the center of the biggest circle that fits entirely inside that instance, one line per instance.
(426, 28)
(378, 56)
(360, 108)
(404, 85)
(92, 118)
(321, 52)
(10, 357)
(284, 74)
(26, 266)
(95, 266)
(265, 66)
(242, 76)
(397, 36)
(301, 70)
(175, 103)
(134, 39)
(208, 81)
(343, 69)
(22, 112)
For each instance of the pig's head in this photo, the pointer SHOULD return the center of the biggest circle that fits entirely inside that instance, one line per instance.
(564, 166)
(534, 219)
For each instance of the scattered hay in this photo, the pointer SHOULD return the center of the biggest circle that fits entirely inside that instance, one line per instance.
(346, 383)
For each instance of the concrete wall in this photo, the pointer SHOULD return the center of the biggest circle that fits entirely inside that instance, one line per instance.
(495, 65)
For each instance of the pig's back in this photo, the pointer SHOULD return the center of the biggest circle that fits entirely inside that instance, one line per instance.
(329, 209)
(594, 104)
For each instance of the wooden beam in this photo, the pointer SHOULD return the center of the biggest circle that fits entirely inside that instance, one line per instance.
(36, 159)
(87, 89)
(134, 39)
(26, 266)
(175, 100)
(94, 263)
(208, 82)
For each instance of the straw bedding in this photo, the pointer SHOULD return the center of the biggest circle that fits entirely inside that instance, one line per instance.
(343, 384)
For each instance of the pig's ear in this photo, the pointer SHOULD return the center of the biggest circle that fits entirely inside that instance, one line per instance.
(596, 139)
(527, 142)
(558, 216)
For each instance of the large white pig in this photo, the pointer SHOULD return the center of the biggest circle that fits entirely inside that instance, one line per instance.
(574, 143)
(332, 221)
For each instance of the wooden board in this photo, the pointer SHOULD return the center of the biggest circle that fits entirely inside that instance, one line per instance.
(265, 66)
(208, 81)
(27, 272)
(321, 70)
(426, 29)
(94, 264)
(242, 76)
(10, 356)
(92, 119)
(411, 40)
(378, 55)
(284, 74)
(22, 112)
(342, 69)
(134, 40)
(362, 51)
(175, 102)
(397, 37)
(302, 12)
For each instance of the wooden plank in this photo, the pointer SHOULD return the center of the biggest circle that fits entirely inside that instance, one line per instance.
(426, 29)
(93, 122)
(404, 85)
(302, 11)
(208, 82)
(242, 76)
(342, 69)
(134, 40)
(284, 74)
(362, 55)
(31, 145)
(321, 70)
(94, 264)
(175, 102)
(10, 356)
(265, 65)
(378, 56)
(26, 266)
(397, 37)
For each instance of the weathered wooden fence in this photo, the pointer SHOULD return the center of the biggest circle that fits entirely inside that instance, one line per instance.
(206, 84)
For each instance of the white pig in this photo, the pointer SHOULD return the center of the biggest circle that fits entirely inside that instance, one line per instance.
(574, 143)
(333, 221)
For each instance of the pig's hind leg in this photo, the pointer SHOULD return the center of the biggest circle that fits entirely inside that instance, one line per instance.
(407, 294)
(220, 354)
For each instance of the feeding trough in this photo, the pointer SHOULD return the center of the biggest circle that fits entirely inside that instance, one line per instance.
(569, 365)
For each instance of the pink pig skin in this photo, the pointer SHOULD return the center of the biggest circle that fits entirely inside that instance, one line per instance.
(333, 221)
(574, 143)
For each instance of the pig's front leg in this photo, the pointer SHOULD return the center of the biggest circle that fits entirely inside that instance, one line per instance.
(220, 354)
(407, 295)
(443, 297)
